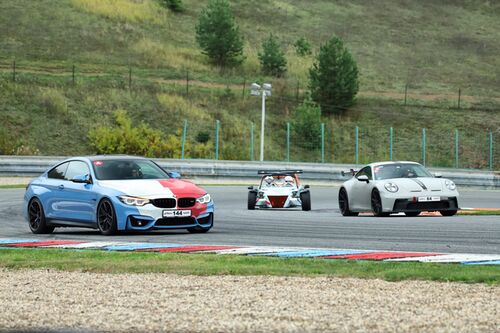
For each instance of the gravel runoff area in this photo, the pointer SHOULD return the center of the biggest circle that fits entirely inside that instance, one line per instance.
(46, 300)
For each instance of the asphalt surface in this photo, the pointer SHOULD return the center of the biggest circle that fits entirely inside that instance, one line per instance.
(323, 226)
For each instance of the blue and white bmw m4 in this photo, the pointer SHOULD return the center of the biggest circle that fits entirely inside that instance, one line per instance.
(115, 193)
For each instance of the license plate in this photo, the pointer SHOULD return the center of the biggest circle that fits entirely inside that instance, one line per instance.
(176, 213)
(427, 199)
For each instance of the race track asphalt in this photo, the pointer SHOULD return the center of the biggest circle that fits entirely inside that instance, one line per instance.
(323, 226)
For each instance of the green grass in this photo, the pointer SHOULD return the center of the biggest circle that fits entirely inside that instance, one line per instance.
(479, 212)
(207, 264)
(12, 186)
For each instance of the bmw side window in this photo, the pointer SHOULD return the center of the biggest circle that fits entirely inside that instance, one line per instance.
(58, 172)
(76, 168)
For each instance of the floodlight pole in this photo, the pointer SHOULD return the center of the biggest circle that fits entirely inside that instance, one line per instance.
(263, 117)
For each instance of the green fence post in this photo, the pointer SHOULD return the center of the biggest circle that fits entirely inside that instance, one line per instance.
(288, 142)
(251, 143)
(184, 138)
(423, 146)
(322, 142)
(491, 150)
(390, 143)
(217, 125)
(357, 145)
(456, 148)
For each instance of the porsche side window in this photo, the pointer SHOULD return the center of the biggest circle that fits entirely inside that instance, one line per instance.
(58, 172)
(76, 168)
(366, 171)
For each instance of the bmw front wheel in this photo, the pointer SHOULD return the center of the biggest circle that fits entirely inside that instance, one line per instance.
(106, 218)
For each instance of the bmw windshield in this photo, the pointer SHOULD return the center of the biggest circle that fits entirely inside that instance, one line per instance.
(399, 170)
(122, 169)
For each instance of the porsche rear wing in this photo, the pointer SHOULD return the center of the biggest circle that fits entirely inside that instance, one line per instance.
(351, 172)
(278, 172)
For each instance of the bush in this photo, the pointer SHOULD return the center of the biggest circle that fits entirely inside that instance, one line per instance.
(53, 100)
(272, 59)
(218, 35)
(333, 78)
(306, 124)
(302, 47)
(174, 5)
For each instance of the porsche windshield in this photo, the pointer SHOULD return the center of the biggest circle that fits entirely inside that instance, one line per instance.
(121, 169)
(399, 170)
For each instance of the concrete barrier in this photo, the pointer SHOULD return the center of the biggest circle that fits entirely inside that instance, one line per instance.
(35, 165)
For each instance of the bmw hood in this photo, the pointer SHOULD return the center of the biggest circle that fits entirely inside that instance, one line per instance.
(154, 188)
(418, 184)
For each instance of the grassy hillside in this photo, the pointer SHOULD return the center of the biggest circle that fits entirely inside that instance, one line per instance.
(434, 47)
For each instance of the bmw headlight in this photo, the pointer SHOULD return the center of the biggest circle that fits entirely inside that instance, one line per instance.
(391, 187)
(204, 199)
(133, 201)
(450, 185)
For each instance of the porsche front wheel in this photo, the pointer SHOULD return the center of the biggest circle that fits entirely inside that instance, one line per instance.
(344, 204)
(377, 204)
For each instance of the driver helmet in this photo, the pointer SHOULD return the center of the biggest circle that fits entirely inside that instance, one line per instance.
(269, 180)
(289, 180)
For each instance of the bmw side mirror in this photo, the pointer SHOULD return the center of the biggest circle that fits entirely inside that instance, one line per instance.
(306, 186)
(82, 179)
(363, 178)
(174, 174)
(250, 187)
(438, 175)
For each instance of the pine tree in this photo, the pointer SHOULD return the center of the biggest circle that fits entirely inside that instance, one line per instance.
(218, 35)
(272, 59)
(333, 78)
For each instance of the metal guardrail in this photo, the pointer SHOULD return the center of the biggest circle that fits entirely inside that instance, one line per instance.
(35, 165)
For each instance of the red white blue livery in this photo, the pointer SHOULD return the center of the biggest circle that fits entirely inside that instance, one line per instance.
(115, 193)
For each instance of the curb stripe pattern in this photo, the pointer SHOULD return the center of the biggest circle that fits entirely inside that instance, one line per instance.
(283, 252)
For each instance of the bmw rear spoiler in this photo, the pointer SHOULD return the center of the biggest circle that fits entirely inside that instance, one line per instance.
(351, 172)
(279, 172)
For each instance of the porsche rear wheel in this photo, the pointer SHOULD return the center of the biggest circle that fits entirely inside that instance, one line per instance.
(448, 212)
(36, 218)
(252, 199)
(106, 218)
(305, 198)
(344, 204)
(377, 204)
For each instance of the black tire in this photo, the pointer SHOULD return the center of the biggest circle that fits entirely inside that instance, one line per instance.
(344, 204)
(377, 204)
(252, 200)
(36, 218)
(447, 212)
(305, 198)
(412, 214)
(106, 218)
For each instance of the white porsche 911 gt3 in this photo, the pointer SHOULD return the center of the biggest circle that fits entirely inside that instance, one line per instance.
(392, 187)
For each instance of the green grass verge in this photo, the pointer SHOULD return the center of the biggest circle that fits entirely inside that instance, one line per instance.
(209, 264)
(12, 186)
(479, 212)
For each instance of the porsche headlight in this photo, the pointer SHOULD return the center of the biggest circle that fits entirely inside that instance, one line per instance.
(391, 187)
(450, 185)
(133, 201)
(204, 199)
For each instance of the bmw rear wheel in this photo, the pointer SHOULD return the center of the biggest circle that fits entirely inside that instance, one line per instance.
(344, 204)
(448, 212)
(106, 218)
(377, 204)
(36, 218)
(412, 213)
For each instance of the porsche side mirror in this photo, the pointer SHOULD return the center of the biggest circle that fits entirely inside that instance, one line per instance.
(82, 179)
(363, 178)
(438, 175)
(306, 186)
(174, 174)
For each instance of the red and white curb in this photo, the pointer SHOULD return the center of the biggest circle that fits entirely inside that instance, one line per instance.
(283, 252)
